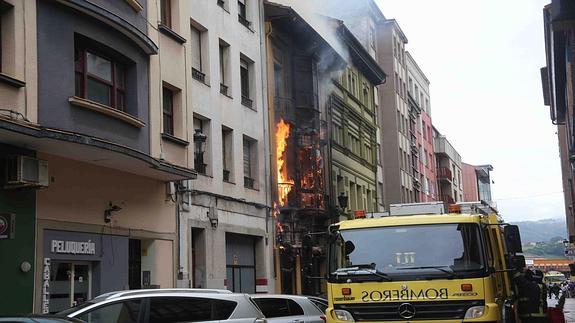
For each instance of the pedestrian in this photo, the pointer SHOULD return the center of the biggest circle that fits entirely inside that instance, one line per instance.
(531, 295)
(556, 289)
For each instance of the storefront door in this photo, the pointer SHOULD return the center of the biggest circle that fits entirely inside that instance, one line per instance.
(70, 284)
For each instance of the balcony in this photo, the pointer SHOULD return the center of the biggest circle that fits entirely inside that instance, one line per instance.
(414, 149)
(444, 174)
(247, 102)
(224, 89)
(201, 168)
(244, 21)
(249, 182)
(198, 75)
(284, 108)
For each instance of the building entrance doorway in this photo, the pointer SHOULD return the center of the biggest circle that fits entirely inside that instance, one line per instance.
(70, 284)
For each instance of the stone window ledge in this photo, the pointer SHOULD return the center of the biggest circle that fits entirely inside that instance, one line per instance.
(104, 109)
(6, 79)
(175, 140)
(171, 34)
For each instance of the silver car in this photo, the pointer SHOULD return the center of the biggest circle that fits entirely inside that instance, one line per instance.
(168, 306)
(289, 309)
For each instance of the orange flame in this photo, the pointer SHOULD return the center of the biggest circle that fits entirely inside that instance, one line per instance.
(285, 184)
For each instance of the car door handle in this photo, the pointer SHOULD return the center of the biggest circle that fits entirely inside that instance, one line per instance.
(297, 321)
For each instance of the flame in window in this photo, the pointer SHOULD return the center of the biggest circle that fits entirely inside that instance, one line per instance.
(285, 184)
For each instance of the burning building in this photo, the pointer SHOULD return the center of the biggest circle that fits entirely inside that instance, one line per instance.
(305, 58)
(298, 56)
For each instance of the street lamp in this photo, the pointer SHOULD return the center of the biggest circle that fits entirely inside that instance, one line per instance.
(342, 200)
(199, 146)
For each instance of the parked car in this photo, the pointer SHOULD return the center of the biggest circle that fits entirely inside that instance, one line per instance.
(168, 306)
(321, 303)
(38, 319)
(289, 309)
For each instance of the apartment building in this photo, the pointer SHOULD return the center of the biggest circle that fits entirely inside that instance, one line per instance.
(229, 208)
(558, 85)
(352, 116)
(84, 190)
(477, 183)
(421, 136)
(448, 165)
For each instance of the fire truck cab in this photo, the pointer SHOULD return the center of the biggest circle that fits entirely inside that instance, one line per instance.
(419, 264)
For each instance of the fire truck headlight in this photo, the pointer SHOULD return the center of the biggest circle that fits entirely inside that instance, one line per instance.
(342, 315)
(475, 312)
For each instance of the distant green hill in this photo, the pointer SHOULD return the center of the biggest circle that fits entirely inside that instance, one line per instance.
(542, 230)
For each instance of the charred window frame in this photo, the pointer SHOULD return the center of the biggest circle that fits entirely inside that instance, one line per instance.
(100, 76)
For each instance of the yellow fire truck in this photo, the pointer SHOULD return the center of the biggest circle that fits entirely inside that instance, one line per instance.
(420, 267)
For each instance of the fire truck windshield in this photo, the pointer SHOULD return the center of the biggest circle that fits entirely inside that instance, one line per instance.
(398, 252)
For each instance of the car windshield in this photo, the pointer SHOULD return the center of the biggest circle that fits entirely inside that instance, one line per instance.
(449, 250)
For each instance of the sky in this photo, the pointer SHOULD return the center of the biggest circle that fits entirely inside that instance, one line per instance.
(483, 59)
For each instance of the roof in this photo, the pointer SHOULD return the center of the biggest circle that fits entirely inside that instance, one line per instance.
(388, 221)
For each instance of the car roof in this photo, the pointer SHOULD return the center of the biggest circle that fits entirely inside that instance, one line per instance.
(38, 318)
(256, 296)
(162, 291)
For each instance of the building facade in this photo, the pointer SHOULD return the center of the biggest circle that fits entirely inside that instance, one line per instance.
(352, 115)
(448, 165)
(229, 209)
(80, 154)
(477, 183)
(558, 86)
(421, 136)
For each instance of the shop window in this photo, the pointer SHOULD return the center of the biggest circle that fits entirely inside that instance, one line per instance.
(100, 77)
(124, 312)
(278, 307)
(135, 264)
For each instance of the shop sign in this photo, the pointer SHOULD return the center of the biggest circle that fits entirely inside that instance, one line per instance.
(46, 287)
(73, 247)
(7, 223)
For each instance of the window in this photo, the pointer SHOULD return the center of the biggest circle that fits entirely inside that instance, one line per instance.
(245, 83)
(396, 83)
(368, 153)
(249, 155)
(197, 62)
(5, 10)
(227, 153)
(124, 312)
(378, 152)
(201, 147)
(99, 78)
(166, 13)
(278, 307)
(224, 50)
(168, 110)
(338, 133)
(187, 309)
(242, 13)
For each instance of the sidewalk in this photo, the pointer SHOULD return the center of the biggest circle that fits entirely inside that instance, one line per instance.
(569, 310)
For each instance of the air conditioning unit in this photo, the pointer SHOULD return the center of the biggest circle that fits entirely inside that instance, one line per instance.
(25, 171)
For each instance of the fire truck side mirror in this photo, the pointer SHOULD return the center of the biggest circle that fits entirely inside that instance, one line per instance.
(517, 262)
(349, 247)
(512, 239)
